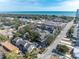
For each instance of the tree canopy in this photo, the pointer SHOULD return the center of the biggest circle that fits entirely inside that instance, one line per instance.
(12, 55)
(17, 34)
(69, 33)
(32, 55)
(62, 48)
(32, 34)
(3, 38)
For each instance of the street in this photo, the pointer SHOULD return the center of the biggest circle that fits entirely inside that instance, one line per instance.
(53, 46)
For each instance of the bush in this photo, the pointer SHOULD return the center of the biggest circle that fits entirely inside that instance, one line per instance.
(3, 38)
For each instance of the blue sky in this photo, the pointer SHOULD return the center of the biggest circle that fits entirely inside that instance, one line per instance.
(39, 5)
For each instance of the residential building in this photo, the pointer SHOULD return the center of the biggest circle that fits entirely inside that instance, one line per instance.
(42, 40)
(76, 44)
(10, 47)
(76, 37)
(23, 45)
(76, 52)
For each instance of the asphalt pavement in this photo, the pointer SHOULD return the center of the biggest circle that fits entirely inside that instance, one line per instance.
(54, 44)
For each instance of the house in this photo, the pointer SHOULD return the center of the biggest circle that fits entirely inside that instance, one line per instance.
(46, 27)
(23, 45)
(25, 36)
(10, 47)
(42, 40)
(76, 52)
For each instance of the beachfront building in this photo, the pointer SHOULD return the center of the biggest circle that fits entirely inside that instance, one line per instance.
(76, 45)
(76, 37)
(77, 16)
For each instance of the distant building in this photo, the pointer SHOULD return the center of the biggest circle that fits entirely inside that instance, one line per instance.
(9, 18)
(77, 16)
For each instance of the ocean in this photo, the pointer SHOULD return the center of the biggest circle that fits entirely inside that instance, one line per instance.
(58, 13)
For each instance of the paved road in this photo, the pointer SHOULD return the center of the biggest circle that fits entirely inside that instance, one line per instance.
(57, 40)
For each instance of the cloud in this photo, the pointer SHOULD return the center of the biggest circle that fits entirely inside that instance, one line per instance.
(39, 5)
(5, 0)
(70, 5)
(67, 5)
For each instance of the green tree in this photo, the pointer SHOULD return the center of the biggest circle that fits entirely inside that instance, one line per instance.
(50, 39)
(33, 35)
(62, 48)
(32, 55)
(25, 29)
(3, 38)
(12, 55)
(69, 33)
(63, 17)
(17, 23)
(17, 34)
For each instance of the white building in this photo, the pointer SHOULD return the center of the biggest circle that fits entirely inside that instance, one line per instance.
(76, 52)
(76, 36)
